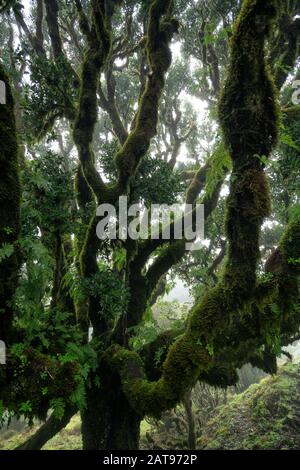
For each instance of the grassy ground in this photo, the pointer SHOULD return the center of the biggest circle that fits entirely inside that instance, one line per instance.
(69, 438)
(265, 416)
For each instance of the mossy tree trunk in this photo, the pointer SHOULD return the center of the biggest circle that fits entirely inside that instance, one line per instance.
(128, 389)
(109, 422)
(10, 197)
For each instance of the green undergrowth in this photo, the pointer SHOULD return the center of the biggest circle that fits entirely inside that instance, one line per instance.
(68, 439)
(265, 416)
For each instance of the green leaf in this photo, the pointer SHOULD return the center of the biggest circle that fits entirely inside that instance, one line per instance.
(6, 251)
(25, 407)
(210, 349)
(287, 140)
(120, 259)
(58, 406)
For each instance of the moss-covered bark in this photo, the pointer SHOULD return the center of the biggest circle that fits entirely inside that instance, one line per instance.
(109, 423)
(10, 195)
(161, 28)
(113, 431)
(88, 180)
(249, 118)
(160, 31)
(95, 57)
(52, 22)
(143, 282)
(285, 50)
(24, 377)
(60, 295)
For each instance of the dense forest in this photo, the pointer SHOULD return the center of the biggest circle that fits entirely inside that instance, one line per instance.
(143, 341)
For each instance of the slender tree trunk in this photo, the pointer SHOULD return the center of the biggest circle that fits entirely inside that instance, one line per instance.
(48, 430)
(109, 423)
(188, 405)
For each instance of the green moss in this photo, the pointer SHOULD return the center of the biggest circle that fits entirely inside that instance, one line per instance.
(94, 60)
(162, 343)
(287, 51)
(27, 374)
(249, 117)
(263, 417)
(290, 245)
(10, 194)
(88, 180)
(52, 11)
(248, 111)
(160, 33)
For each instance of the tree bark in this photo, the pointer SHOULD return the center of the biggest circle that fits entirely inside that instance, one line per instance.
(109, 422)
(48, 430)
(188, 405)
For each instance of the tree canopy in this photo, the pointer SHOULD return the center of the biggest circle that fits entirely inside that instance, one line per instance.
(163, 102)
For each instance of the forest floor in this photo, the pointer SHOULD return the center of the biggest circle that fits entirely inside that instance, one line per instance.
(68, 439)
(265, 416)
